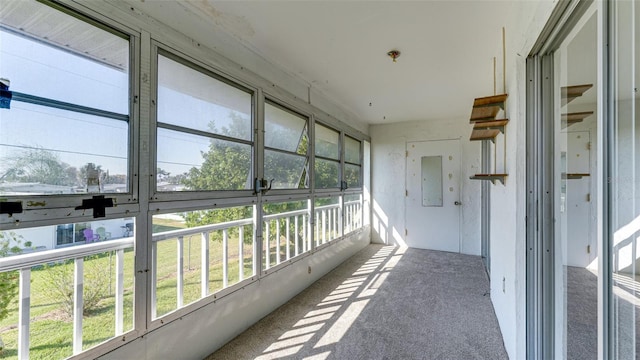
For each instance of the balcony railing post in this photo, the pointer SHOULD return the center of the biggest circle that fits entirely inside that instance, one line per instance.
(204, 276)
(154, 279)
(225, 258)
(324, 226)
(240, 253)
(296, 236)
(180, 270)
(267, 248)
(305, 236)
(119, 291)
(278, 241)
(78, 275)
(288, 239)
(24, 313)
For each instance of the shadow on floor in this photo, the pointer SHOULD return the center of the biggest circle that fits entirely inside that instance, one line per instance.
(383, 303)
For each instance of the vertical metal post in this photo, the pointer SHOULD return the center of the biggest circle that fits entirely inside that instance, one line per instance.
(204, 258)
(324, 226)
(78, 275)
(267, 247)
(296, 236)
(24, 313)
(240, 253)
(119, 291)
(225, 258)
(305, 235)
(288, 239)
(179, 271)
(154, 278)
(278, 241)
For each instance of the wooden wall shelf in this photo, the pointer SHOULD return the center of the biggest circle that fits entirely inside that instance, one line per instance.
(490, 177)
(484, 134)
(574, 176)
(487, 127)
(484, 113)
(493, 124)
(570, 93)
(491, 101)
(574, 118)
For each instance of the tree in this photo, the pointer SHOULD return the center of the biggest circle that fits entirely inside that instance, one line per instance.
(39, 166)
(10, 244)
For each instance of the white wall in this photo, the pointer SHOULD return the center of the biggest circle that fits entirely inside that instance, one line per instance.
(388, 146)
(508, 203)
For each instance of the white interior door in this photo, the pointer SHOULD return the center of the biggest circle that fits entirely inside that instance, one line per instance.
(578, 198)
(432, 205)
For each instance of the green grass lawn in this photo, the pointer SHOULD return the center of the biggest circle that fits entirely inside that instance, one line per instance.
(51, 330)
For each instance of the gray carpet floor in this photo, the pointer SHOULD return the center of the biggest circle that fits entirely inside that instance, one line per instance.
(582, 314)
(383, 303)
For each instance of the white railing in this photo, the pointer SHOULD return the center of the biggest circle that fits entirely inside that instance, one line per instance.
(204, 232)
(352, 216)
(24, 263)
(330, 224)
(301, 244)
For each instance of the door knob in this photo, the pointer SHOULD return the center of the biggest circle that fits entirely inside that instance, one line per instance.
(457, 203)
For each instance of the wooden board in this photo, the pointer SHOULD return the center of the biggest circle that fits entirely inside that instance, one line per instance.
(484, 134)
(491, 100)
(491, 177)
(570, 93)
(492, 124)
(484, 113)
(573, 118)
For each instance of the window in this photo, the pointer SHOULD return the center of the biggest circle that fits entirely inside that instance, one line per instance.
(66, 129)
(327, 151)
(286, 141)
(352, 162)
(204, 136)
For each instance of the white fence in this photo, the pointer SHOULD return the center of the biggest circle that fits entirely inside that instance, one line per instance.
(329, 225)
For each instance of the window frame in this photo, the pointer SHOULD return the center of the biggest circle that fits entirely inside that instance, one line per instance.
(294, 110)
(160, 49)
(338, 161)
(62, 206)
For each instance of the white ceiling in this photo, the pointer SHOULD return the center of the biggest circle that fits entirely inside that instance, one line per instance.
(339, 48)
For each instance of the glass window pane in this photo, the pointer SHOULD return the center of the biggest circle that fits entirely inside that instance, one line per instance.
(327, 215)
(431, 168)
(351, 150)
(625, 195)
(228, 231)
(45, 150)
(284, 130)
(575, 140)
(285, 232)
(198, 163)
(352, 175)
(192, 99)
(60, 57)
(288, 171)
(51, 281)
(327, 142)
(326, 174)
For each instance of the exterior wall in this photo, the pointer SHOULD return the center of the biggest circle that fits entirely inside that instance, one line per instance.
(388, 146)
(196, 335)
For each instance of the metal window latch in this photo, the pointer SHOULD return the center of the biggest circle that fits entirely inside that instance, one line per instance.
(261, 185)
(11, 208)
(343, 185)
(5, 94)
(98, 203)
